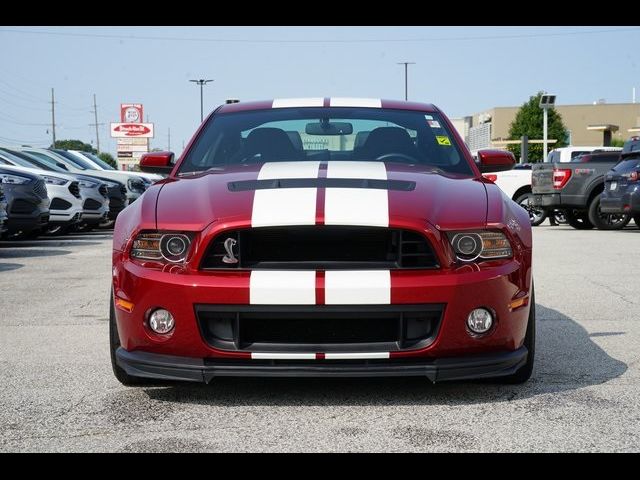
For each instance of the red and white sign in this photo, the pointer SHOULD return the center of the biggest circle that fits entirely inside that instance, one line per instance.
(140, 130)
(131, 113)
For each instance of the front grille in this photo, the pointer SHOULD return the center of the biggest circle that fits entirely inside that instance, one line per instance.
(59, 204)
(40, 189)
(320, 247)
(319, 328)
(123, 190)
(74, 189)
(91, 204)
(103, 190)
(21, 206)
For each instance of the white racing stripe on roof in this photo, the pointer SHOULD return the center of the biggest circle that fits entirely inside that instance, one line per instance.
(282, 287)
(272, 170)
(356, 355)
(282, 356)
(298, 102)
(355, 102)
(357, 287)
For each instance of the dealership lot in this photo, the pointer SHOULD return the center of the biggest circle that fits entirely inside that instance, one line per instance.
(59, 394)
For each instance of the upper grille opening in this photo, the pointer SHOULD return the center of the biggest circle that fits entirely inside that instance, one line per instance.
(319, 247)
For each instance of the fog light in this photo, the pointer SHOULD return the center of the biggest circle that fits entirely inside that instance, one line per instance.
(161, 321)
(480, 320)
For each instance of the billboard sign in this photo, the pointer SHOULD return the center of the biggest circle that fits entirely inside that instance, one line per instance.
(131, 113)
(139, 130)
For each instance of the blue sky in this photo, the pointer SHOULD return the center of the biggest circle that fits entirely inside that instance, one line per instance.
(461, 69)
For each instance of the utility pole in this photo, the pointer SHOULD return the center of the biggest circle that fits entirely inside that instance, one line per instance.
(53, 118)
(202, 83)
(406, 78)
(95, 113)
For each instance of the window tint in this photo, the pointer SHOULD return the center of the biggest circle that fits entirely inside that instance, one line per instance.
(299, 134)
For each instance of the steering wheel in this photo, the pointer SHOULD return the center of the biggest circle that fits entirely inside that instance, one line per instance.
(402, 156)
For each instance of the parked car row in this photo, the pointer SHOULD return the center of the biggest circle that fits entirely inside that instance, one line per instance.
(51, 191)
(595, 189)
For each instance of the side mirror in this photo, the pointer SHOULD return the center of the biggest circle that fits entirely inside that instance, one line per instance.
(61, 165)
(495, 161)
(157, 162)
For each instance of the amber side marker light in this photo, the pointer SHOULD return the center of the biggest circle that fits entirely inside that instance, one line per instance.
(518, 302)
(124, 305)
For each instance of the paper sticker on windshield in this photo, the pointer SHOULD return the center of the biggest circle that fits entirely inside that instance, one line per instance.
(433, 123)
(428, 117)
(443, 140)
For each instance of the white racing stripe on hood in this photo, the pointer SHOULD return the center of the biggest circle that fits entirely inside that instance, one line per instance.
(355, 102)
(357, 287)
(357, 206)
(285, 206)
(282, 287)
(298, 102)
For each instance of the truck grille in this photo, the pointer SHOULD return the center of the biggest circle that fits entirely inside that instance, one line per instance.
(74, 189)
(40, 189)
(319, 328)
(320, 247)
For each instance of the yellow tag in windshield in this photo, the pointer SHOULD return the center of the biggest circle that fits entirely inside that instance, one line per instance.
(442, 140)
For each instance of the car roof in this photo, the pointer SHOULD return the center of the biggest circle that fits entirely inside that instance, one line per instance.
(320, 102)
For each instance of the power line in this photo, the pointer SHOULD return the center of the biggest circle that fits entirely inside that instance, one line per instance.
(358, 40)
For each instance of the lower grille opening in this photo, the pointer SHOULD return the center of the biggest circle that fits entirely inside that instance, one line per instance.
(20, 206)
(59, 204)
(318, 328)
(91, 204)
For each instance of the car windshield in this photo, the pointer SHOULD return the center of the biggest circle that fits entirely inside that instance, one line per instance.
(628, 165)
(298, 134)
(98, 160)
(37, 162)
(15, 160)
(76, 161)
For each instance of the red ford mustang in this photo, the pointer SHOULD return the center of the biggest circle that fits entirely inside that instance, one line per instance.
(323, 237)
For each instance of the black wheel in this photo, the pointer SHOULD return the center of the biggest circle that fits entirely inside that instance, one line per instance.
(636, 218)
(56, 230)
(536, 215)
(524, 372)
(114, 342)
(560, 217)
(32, 235)
(578, 219)
(606, 221)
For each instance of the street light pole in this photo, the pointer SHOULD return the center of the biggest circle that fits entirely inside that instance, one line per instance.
(406, 80)
(547, 101)
(202, 83)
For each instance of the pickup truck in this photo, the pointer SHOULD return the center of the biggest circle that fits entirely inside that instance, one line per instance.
(575, 187)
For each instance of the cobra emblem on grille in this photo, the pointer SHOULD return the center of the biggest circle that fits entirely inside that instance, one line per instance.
(229, 243)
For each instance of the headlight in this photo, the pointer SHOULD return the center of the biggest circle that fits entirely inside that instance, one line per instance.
(482, 244)
(136, 184)
(87, 184)
(54, 180)
(14, 179)
(170, 247)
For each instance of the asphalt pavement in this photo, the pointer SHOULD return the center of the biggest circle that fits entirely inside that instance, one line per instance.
(58, 392)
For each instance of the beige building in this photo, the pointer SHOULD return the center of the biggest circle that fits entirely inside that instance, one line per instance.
(587, 124)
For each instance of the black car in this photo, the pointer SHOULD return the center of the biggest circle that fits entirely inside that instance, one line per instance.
(621, 193)
(3, 211)
(27, 202)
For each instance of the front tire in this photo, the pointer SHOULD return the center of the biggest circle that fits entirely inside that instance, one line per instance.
(606, 221)
(114, 342)
(536, 215)
(524, 372)
(578, 219)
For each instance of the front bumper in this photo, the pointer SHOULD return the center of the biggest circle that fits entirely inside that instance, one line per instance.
(170, 367)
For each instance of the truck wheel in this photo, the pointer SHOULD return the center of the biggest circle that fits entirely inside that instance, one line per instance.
(114, 342)
(606, 221)
(536, 215)
(578, 219)
(524, 372)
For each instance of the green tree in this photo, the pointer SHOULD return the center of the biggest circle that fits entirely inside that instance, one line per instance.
(529, 121)
(617, 142)
(74, 145)
(108, 158)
